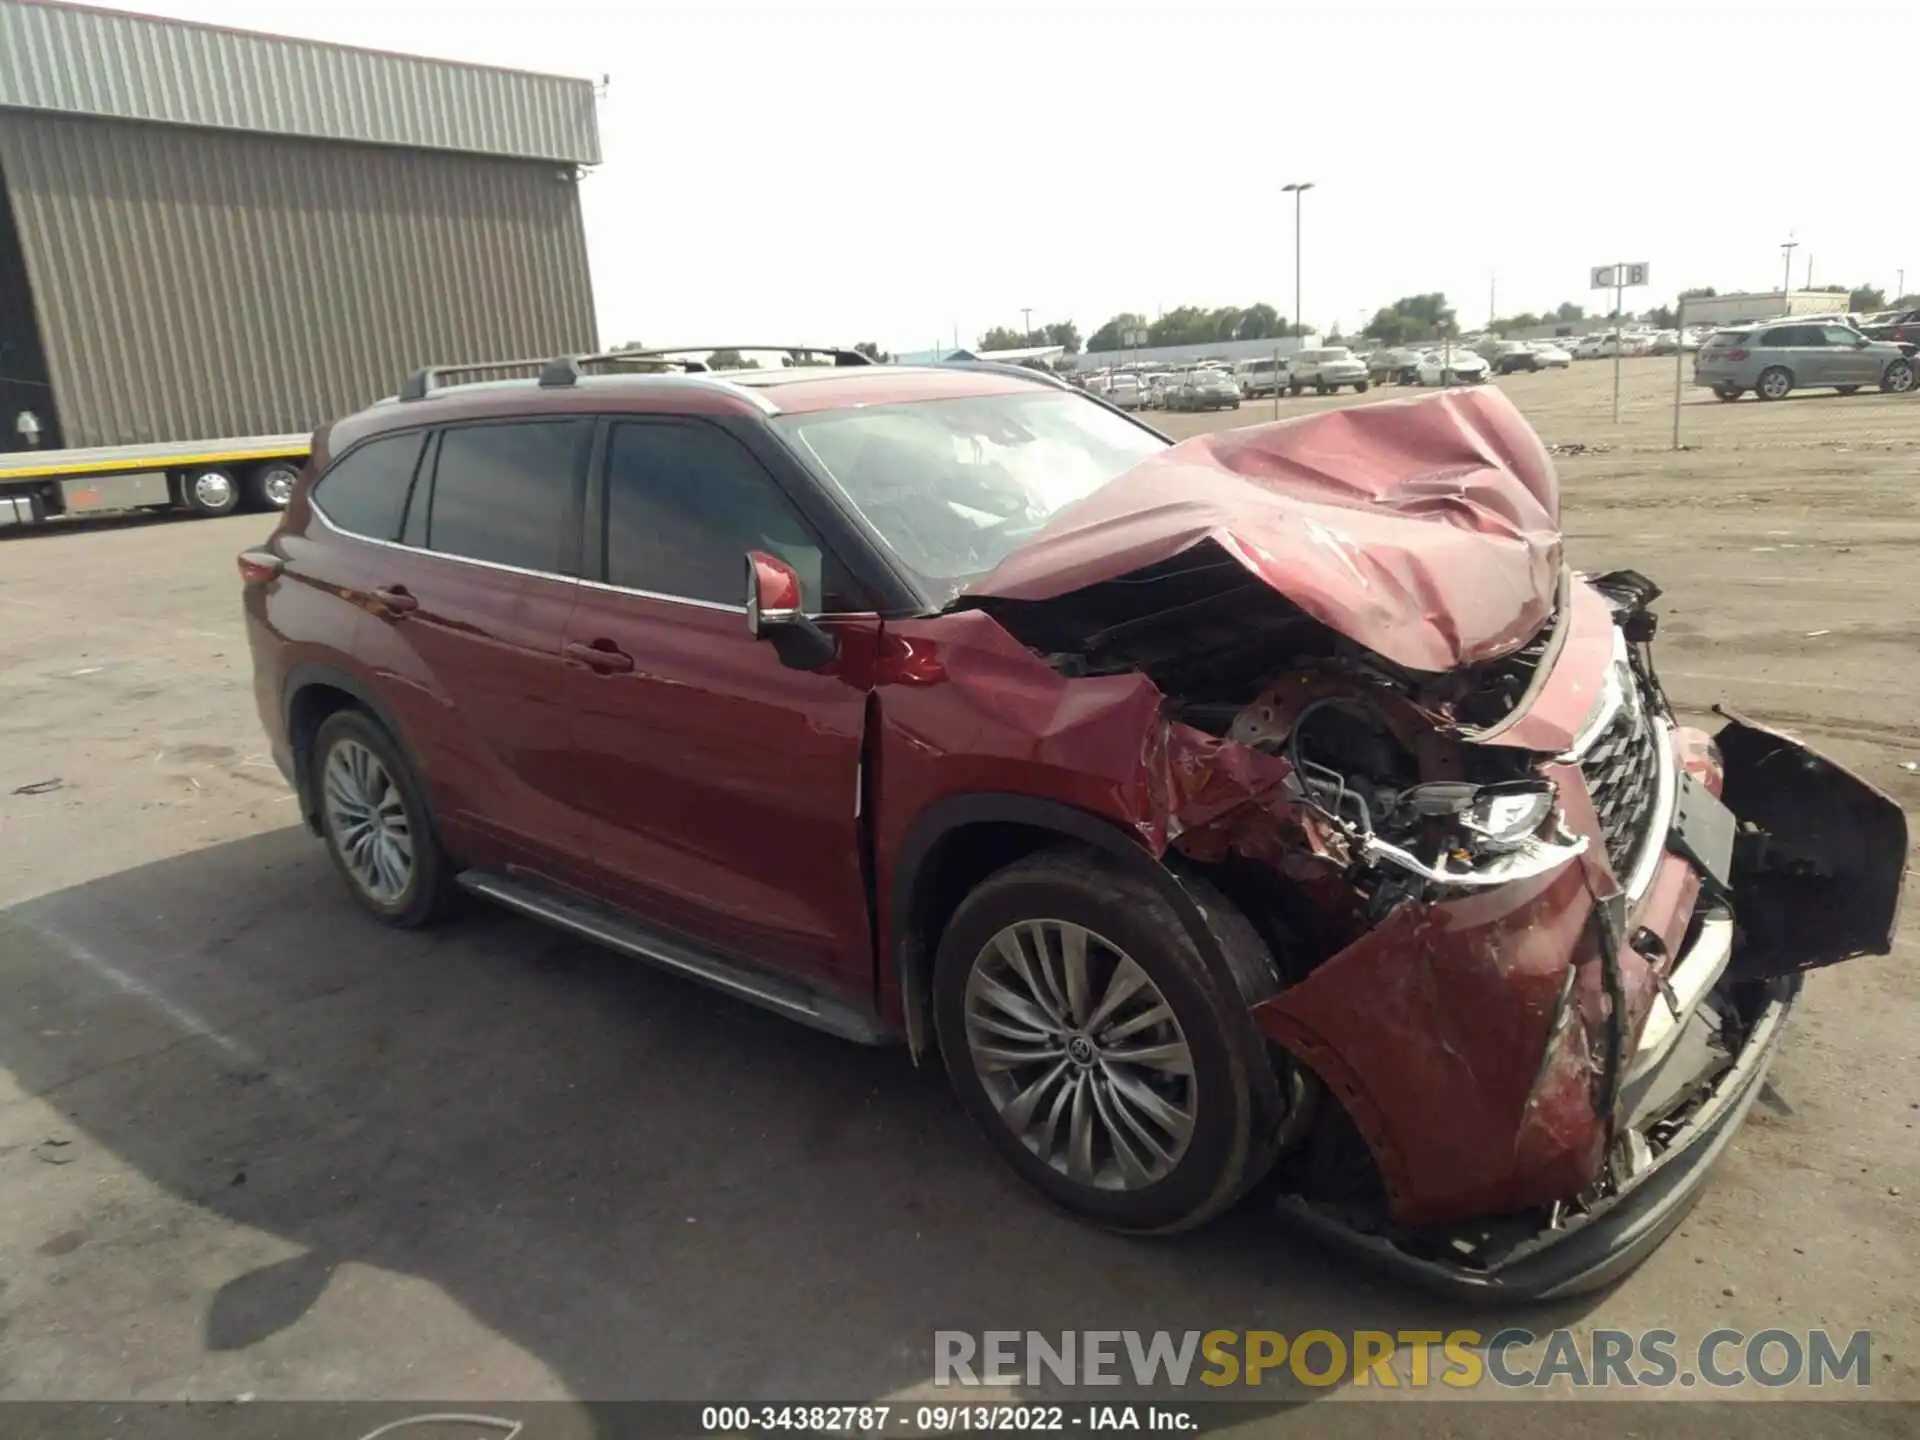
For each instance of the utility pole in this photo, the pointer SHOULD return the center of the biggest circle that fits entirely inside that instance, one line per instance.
(1787, 247)
(1026, 324)
(1297, 189)
(1900, 286)
(1493, 308)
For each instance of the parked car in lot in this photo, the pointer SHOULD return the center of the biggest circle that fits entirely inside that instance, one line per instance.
(1509, 356)
(1551, 355)
(1899, 326)
(1127, 391)
(948, 706)
(1400, 365)
(1774, 360)
(1326, 371)
(1595, 347)
(1456, 367)
(1664, 342)
(1204, 390)
(1261, 377)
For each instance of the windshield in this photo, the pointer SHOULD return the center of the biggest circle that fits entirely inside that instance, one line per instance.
(955, 486)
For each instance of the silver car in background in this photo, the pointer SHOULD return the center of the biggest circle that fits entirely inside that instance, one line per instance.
(1326, 370)
(1775, 359)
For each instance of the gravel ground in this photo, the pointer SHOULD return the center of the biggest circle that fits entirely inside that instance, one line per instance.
(252, 1144)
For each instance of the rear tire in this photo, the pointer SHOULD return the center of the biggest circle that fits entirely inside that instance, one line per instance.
(374, 817)
(1775, 383)
(1848, 389)
(1360, 387)
(209, 490)
(1897, 378)
(1727, 392)
(1161, 1142)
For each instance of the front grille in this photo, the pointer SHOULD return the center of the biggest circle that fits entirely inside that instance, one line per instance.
(1622, 770)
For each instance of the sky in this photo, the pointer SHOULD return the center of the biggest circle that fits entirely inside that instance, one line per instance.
(826, 171)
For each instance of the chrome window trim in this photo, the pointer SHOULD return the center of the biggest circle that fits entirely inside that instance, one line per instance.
(338, 529)
(719, 605)
(716, 605)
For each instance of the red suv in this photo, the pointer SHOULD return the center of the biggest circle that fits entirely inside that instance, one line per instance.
(1271, 807)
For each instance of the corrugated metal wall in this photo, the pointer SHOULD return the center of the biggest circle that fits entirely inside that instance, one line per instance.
(193, 284)
(87, 61)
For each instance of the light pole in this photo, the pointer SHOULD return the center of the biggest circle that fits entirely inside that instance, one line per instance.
(1026, 324)
(1296, 189)
(1787, 247)
(1900, 289)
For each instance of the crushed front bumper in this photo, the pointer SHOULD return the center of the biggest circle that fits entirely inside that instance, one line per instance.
(1599, 1247)
(1473, 1043)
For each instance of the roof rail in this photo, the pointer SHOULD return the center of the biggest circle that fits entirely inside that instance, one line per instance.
(839, 355)
(562, 371)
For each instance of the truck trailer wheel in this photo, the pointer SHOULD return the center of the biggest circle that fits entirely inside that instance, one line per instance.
(270, 486)
(209, 490)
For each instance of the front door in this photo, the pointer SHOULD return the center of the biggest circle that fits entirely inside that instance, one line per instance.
(1849, 362)
(719, 791)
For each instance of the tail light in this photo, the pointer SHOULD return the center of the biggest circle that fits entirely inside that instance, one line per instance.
(258, 566)
(1735, 354)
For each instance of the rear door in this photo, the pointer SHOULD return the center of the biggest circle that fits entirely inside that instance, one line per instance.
(471, 613)
(719, 791)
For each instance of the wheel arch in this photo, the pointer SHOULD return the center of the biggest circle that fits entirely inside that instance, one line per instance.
(310, 693)
(956, 843)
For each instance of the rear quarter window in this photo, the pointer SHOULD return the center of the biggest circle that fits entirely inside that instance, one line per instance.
(366, 489)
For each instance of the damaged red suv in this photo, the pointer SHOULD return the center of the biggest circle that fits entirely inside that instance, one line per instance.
(1271, 809)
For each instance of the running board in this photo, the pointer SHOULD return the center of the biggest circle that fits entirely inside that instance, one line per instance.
(605, 927)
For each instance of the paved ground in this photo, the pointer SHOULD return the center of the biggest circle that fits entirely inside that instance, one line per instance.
(252, 1144)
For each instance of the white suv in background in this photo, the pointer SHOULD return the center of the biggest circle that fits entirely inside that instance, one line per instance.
(1326, 370)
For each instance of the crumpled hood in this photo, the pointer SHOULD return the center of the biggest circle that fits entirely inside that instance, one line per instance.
(1426, 530)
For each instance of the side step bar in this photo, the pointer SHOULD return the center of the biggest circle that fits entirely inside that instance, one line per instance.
(604, 927)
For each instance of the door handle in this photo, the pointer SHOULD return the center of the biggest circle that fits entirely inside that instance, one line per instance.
(396, 598)
(602, 655)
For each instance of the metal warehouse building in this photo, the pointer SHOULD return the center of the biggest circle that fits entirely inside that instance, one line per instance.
(207, 232)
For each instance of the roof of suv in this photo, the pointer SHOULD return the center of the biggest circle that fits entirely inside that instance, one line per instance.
(775, 391)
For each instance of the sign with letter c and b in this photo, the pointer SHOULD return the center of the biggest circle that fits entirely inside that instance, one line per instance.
(1606, 277)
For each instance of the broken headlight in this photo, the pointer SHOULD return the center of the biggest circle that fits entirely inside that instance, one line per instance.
(1457, 834)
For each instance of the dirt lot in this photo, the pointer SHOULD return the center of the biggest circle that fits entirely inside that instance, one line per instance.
(252, 1144)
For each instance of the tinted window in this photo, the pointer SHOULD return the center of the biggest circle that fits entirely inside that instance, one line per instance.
(505, 492)
(685, 502)
(365, 490)
(1840, 335)
(1783, 336)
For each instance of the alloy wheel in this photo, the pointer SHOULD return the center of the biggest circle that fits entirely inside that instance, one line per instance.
(1081, 1055)
(368, 821)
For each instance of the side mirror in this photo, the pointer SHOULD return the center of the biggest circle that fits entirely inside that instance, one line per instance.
(775, 614)
(1860, 342)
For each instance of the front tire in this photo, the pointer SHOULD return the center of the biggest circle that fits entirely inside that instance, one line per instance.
(373, 814)
(1775, 383)
(1727, 392)
(1360, 386)
(1096, 1050)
